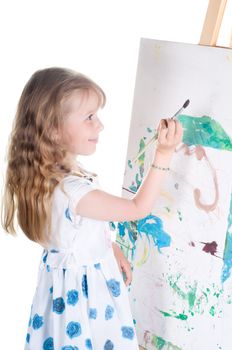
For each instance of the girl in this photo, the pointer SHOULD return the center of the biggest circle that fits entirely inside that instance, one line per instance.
(80, 301)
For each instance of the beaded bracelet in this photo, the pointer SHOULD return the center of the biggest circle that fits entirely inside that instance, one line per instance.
(159, 167)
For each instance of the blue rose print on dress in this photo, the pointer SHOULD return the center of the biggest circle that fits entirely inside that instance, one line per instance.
(128, 332)
(114, 287)
(48, 344)
(45, 256)
(58, 305)
(54, 251)
(85, 286)
(109, 312)
(97, 266)
(108, 345)
(72, 297)
(93, 313)
(69, 347)
(28, 338)
(51, 290)
(73, 329)
(67, 214)
(37, 321)
(88, 344)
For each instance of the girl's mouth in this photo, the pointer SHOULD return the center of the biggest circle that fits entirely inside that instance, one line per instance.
(93, 140)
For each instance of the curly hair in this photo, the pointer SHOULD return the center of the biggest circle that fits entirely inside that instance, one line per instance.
(36, 160)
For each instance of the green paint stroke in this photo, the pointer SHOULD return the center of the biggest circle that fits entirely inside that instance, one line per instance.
(181, 317)
(212, 311)
(139, 175)
(190, 296)
(141, 159)
(161, 344)
(204, 131)
(197, 304)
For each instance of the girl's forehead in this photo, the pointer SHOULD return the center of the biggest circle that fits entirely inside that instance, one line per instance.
(81, 101)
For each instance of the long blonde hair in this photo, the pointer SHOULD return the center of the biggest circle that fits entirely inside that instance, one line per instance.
(36, 160)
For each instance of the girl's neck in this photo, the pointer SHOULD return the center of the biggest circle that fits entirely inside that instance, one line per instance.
(78, 169)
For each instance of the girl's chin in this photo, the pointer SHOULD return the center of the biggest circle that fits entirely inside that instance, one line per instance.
(80, 154)
(87, 153)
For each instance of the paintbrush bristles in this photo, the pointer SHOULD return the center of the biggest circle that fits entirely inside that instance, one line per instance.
(181, 109)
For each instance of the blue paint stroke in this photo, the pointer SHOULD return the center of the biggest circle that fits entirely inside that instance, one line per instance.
(227, 255)
(151, 226)
(129, 227)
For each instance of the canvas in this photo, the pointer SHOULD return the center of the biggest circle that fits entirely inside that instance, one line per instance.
(181, 253)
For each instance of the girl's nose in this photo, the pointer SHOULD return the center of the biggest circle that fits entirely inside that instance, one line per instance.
(100, 126)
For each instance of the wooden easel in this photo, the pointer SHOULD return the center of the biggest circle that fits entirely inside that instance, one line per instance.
(211, 28)
(212, 24)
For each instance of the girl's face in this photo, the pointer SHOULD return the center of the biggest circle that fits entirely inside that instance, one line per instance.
(81, 126)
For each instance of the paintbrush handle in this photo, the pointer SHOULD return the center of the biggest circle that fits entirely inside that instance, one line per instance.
(177, 113)
(152, 140)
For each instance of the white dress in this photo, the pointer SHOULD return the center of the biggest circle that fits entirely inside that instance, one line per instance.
(81, 301)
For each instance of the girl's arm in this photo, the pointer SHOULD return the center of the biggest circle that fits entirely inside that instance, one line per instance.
(100, 205)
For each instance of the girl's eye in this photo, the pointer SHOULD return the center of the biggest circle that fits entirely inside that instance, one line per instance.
(90, 117)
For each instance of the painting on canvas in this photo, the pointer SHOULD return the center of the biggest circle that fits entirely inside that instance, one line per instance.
(181, 253)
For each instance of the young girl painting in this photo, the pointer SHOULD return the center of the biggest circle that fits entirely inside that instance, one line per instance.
(81, 301)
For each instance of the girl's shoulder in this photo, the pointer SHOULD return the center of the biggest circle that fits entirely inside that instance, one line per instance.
(76, 181)
(73, 187)
(79, 178)
(80, 174)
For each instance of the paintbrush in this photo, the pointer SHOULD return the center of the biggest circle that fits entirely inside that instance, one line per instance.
(154, 138)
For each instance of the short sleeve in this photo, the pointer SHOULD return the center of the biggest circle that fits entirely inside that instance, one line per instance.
(75, 188)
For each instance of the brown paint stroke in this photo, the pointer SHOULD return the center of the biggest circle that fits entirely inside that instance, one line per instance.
(210, 247)
(201, 154)
(146, 337)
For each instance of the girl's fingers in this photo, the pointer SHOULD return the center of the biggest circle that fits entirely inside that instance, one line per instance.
(160, 126)
(128, 273)
(179, 131)
(126, 269)
(120, 267)
(171, 130)
(179, 128)
(164, 123)
(162, 137)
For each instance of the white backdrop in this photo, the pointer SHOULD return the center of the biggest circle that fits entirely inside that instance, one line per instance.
(101, 39)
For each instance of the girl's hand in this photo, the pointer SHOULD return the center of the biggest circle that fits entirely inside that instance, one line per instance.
(170, 134)
(123, 264)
